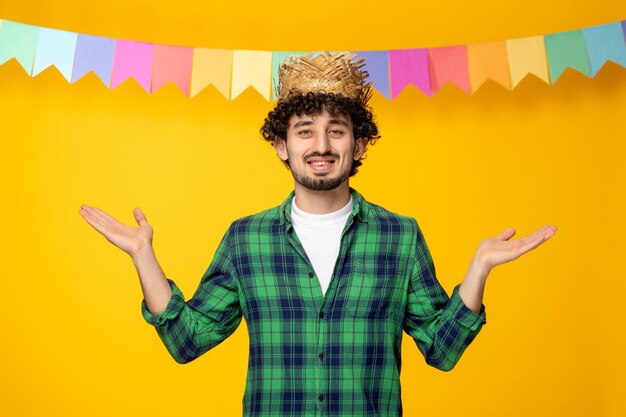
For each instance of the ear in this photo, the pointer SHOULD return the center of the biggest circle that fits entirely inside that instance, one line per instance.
(281, 148)
(359, 148)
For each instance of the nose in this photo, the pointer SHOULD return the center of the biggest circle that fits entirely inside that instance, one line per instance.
(321, 143)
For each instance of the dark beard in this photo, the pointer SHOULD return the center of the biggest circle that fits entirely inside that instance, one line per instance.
(320, 184)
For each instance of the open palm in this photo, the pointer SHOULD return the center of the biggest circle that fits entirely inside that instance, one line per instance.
(129, 239)
(499, 249)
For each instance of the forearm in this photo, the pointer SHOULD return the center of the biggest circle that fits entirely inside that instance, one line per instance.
(156, 290)
(473, 286)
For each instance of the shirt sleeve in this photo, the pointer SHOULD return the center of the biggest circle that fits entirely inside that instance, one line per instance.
(189, 329)
(442, 326)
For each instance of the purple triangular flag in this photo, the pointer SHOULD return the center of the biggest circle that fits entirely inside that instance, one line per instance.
(94, 53)
(377, 66)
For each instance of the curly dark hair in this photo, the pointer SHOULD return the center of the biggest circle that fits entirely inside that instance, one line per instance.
(277, 121)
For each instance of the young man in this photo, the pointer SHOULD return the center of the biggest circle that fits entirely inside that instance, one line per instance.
(327, 281)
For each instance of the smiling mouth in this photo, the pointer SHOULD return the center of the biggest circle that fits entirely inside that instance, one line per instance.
(321, 165)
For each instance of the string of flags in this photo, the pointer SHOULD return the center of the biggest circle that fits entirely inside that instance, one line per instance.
(192, 69)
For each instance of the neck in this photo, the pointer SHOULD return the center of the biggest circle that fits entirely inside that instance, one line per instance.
(322, 202)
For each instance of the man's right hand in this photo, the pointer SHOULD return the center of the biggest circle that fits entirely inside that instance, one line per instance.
(137, 242)
(132, 240)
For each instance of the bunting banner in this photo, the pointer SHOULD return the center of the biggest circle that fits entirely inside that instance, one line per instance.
(231, 72)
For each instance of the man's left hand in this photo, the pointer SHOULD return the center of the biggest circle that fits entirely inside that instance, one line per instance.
(499, 249)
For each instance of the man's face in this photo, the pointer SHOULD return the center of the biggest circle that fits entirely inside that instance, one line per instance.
(320, 150)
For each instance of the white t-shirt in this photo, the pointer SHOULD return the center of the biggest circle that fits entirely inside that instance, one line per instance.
(320, 235)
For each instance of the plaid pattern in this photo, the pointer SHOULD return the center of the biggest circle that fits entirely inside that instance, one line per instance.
(315, 355)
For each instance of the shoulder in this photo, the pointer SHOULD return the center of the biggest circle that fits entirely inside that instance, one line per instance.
(397, 227)
(393, 230)
(265, 220)
(382, 216)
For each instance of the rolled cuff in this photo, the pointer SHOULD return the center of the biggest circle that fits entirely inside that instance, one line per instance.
(174, 307)
(462, 314)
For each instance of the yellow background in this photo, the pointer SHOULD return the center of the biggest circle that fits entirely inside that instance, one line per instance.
(73, 342)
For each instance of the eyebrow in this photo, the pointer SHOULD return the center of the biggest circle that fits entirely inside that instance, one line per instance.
(330, 122)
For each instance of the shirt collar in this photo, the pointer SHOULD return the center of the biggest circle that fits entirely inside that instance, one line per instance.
(360, 207)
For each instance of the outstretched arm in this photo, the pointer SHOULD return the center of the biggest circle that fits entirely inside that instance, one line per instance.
(136, 242)
(188, 329)
(496, 251)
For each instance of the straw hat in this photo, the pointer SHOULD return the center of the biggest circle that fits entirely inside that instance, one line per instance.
(337, 73)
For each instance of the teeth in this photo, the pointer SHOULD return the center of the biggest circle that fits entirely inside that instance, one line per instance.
(320, 163)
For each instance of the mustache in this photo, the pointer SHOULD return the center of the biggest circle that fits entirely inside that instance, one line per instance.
(321, 155)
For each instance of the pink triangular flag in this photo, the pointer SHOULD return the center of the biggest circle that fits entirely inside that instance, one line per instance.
(172, 63)
(409, 66)
(132, 59)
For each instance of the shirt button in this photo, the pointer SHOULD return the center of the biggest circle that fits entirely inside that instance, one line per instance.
(321, 397)
(321, 314)
(311, 274)
(321, 355)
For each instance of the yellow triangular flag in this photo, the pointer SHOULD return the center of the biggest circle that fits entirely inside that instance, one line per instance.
(252, 68)
(527, 55)
(211, 66)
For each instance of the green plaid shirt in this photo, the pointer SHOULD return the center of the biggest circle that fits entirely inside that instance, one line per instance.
(336, 354)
